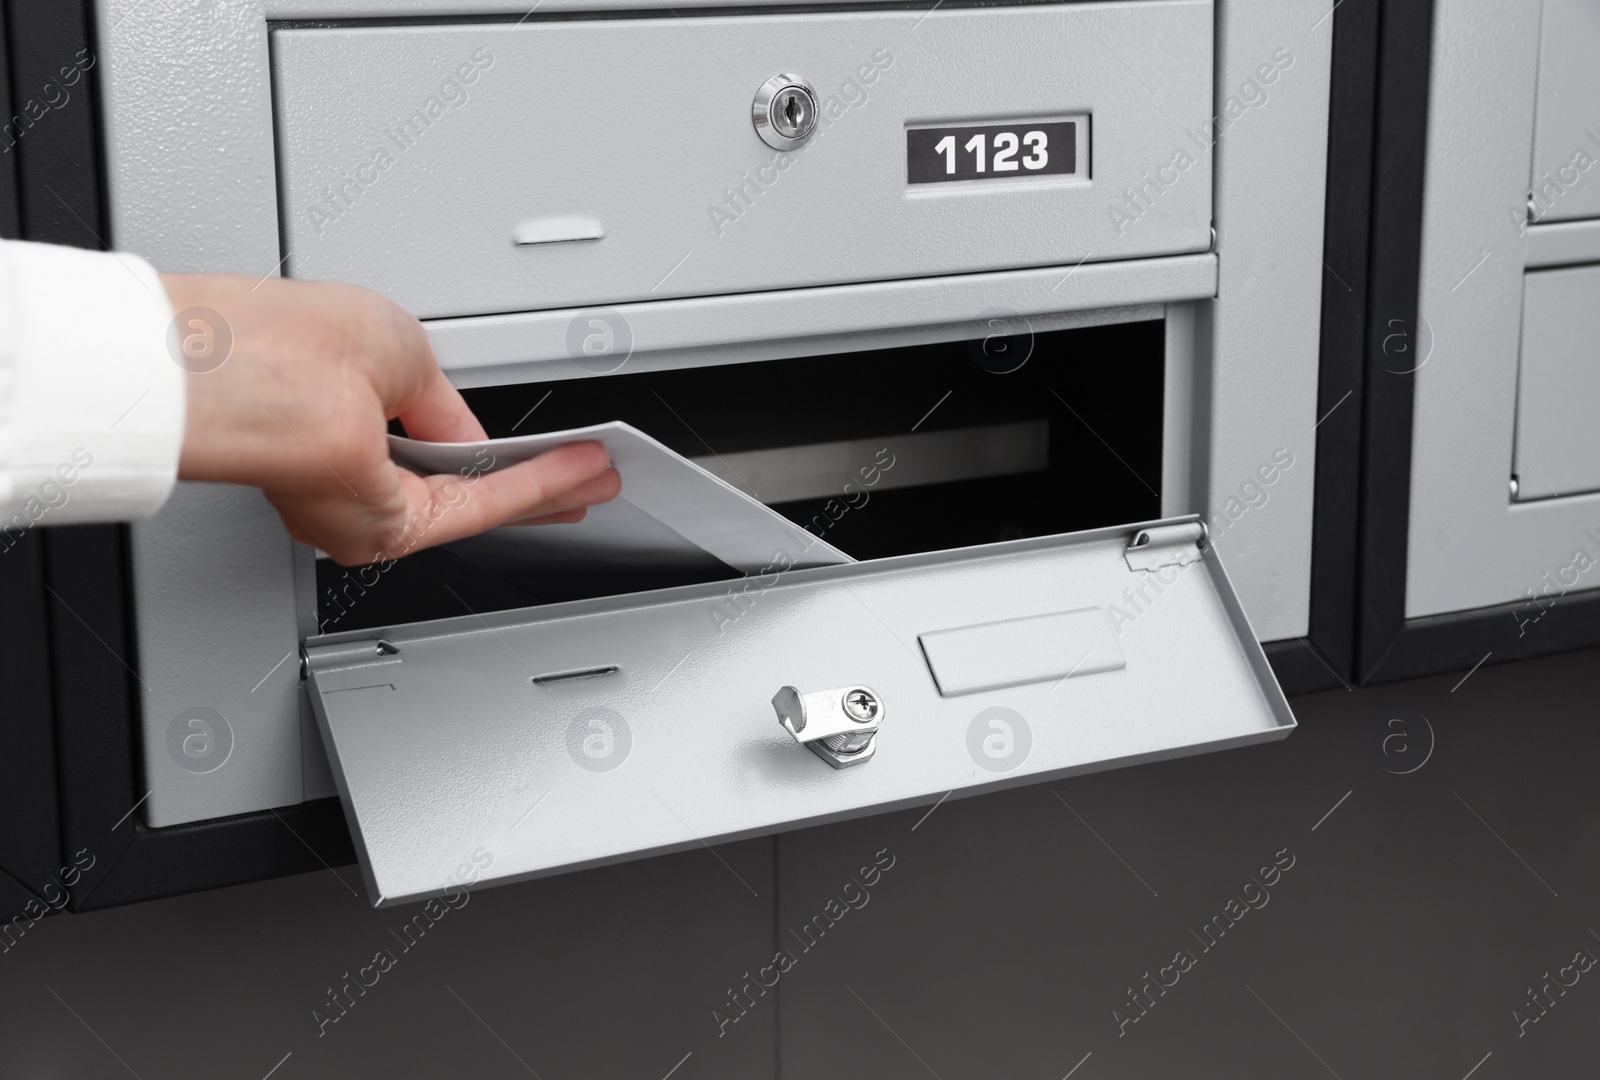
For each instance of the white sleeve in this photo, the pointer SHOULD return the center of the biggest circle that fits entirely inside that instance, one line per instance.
(91, 401)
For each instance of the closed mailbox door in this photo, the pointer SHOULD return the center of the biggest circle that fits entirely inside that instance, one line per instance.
(488, 168)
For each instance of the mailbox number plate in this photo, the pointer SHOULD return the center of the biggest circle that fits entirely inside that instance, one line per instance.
(991, 152)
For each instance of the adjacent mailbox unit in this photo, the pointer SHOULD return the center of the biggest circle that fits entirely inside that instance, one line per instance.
(792, 219)
(1490, 547)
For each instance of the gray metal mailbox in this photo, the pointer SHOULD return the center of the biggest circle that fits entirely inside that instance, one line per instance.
(508, 176)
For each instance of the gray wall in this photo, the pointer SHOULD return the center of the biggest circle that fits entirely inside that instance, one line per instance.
(1409, 927)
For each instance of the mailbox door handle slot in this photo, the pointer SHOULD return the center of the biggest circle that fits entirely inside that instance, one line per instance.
(563, 229)
(573, 676)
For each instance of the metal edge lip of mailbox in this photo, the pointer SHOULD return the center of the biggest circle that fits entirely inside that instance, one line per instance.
(530, 346)
(454, 759)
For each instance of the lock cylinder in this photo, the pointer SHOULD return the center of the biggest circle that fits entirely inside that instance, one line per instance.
(784, 111)
(839, 725)
(848, 743)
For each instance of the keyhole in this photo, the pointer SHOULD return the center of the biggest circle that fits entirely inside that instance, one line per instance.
(785, 111)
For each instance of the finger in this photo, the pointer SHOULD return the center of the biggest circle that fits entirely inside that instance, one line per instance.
(345, 536)
(308, 523)
(566, 517)
(565, 478)
(599, 489)
(602, 488)
(436, 411)
(312, 529)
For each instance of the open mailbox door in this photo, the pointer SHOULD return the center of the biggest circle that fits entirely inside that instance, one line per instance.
(526, 743)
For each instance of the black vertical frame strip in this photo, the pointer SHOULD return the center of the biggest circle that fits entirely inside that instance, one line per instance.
(1404, 66)
(95, 682)
(29, 828)
(1346, 236)
(53, 123)
(1325, 660)
(30, 833)
(53, 138)
(10, 211)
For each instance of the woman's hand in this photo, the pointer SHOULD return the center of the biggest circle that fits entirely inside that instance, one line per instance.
(300, 409)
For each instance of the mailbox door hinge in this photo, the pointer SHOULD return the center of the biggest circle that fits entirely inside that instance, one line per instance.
(1166, 545)
(347, 656)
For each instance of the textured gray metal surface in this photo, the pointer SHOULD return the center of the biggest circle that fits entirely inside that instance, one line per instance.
(1565, 243)
(1256, 347)
(1558, 384)
(644, 124)
(442, 743)
(189, 185)
(245, 753)
(532, 346)
(1566, 137)
(1049, 647)
(1470, 546)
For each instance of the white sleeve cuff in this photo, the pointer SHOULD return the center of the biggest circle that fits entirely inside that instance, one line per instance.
(91, 401)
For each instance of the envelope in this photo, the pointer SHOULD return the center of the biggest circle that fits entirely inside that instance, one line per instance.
(672, 517)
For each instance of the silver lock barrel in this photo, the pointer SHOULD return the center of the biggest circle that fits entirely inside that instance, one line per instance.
(839, 725)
